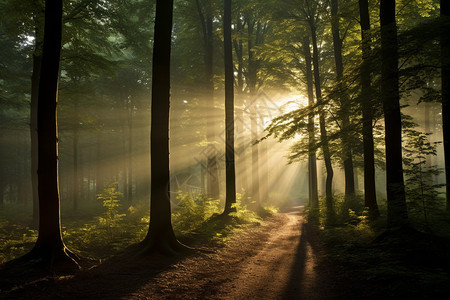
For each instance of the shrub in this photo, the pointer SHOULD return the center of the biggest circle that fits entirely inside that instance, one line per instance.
(111, 202)
(191, 212)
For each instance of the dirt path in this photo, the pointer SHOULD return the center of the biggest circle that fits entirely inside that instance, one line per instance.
(285, 268)
(277, 260)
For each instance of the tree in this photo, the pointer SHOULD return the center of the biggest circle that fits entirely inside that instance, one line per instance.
(396, 201)
(229, 112)
(312, 161)
(311, 19)
(37, 60)
(160, 236)
(49, 247)
(206, 19)
(445, 79)
(344, 103)
(370, 200)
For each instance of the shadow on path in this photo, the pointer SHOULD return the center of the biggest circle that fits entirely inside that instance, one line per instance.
(310, 276)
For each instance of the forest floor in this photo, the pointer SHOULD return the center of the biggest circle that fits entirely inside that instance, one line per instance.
(279, 259)
(284, 257)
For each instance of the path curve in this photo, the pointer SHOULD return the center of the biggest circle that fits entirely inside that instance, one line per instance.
(285, 268)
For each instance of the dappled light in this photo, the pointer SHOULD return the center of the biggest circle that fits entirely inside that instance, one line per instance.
(224, 149)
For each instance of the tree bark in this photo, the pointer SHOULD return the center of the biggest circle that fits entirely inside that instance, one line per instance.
(251, 77)
(49, 248)
(213, 170)
(323, 131)
(396, 200)
(370, 198)
(130, 152)
(160, 236)
(240, 124)
(100, 174)
(211, 160)
(37, 61)
(445, 79)
(312, 161)
(344, 109)
(229, 112)
(76, 181)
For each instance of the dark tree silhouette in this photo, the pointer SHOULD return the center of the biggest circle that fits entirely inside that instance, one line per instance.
(49, 249)
(344, 110)
(229, 112)
(396, 200)
(160, 236)
(322, 122)
(445, 77)
(312, 158)
(370, 198)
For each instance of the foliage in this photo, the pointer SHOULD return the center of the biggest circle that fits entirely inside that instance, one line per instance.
(15, 239)
(191, 212)
(111, 218)
(423, 194)
(243, 214)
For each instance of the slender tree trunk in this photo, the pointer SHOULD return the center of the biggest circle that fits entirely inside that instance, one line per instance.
(370, 198)
(264, 171)
(160, 236)
(344, 110)
(397, 212)
(130, 152)
(124, 159)
(445, 78)
(323, 131)
(251, 83)
(49, 247)
(229, 112)
(76, 181)
(312, 161)
(242, 165)
(99, 181)
(255, 155)
(212, 173)
(213, 170)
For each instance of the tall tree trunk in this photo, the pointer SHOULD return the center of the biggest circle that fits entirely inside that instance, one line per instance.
(37, 61)
(344, 110)
(323, 130)
(49, 247)
(264, 180)
(212, 174)
(160, 236)
(99, 181)
(76, 180)
(370, 198)
(240, 124)
(229, 112)
(312, 161)
(130, 153)
(213, 170)
(251, 83)
(397, 212)
(445, 79)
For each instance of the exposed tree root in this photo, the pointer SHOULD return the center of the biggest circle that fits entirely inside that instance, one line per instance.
(57, 260)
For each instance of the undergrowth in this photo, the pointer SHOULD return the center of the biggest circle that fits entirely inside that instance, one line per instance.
(117, 225)
(406, 264)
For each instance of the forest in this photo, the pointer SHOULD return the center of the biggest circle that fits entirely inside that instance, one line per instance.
(204, 149)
